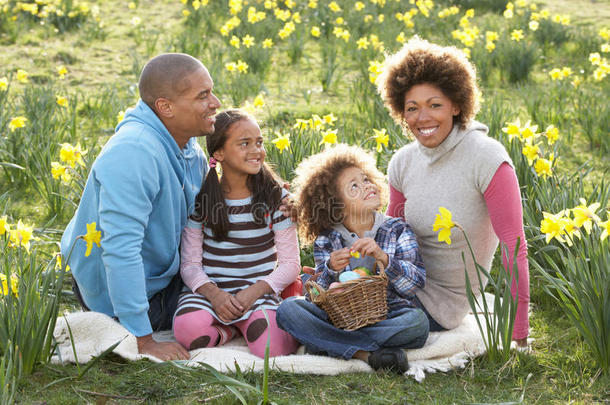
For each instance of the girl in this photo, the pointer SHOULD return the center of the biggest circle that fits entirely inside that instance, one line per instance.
(232, 243)
(339, 194)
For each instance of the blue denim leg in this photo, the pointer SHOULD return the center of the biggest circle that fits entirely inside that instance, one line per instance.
(405, 328)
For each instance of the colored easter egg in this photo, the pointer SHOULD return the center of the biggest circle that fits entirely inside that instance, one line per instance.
(362, 270)
(348, 275)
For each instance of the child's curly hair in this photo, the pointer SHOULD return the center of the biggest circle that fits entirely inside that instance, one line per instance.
(317, 195)
(419, 62)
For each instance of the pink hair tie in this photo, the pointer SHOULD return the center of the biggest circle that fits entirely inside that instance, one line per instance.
(213, 162)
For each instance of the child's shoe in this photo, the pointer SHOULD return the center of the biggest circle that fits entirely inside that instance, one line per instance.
(390, 359)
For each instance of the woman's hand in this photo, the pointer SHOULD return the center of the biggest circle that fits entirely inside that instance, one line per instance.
(368, 247)
(339, 259)
(226, 306)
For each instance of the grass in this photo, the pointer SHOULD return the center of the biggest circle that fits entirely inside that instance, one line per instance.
(560, 367)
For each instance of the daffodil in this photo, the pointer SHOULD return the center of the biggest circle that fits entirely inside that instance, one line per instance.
(381, 138)
(14, 287)
(584, 215)
(334, 7)
(553, 226)
(444, 223)
(401, 38)
(533, 25)
(531, 152)
(512, 129)
(316, 122)
(242, 67)
(315, 32)
(259, 101)
(4, 225)
(61, 101)
(552, 134)
(544, 167)
(231, 66)
(16, 123)
(604, 33)
(329, 118)
(301, 124)
(329, 137)
(59, 171)
(312, 4)
(72, 154)
(267, 43)
(234, 42)
(22, 76)
(281, 142)
(120, 115)
(517, 35)
(555, 74)
(358, 6)
(3, 83)
(529, 131)
(21, 235)
(92, 236)
(248, 41)
(595, 58)
(135, 21)
(58, 262)
(363, 43)
(375, 69)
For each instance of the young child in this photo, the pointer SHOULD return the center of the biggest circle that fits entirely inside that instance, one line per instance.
(232, 243)
(340, 192)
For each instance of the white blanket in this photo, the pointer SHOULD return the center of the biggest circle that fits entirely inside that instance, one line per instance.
(94, 332)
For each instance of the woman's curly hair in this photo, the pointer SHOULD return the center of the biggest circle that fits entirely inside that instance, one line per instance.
(419, 62)
(317, 195)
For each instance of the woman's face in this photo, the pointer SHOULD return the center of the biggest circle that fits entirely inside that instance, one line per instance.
(429, 114)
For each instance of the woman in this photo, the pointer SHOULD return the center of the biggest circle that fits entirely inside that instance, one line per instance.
(432, 92)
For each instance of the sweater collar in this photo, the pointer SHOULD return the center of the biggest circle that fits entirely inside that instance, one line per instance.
(350, 237)
(453, 139)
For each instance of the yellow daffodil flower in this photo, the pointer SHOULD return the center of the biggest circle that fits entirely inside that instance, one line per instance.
(61, 101)
(552, 134)
(329, 118)
(529, 131)
(381, 138)
(312, 4)
(14, 287)
(281, 142)
(72, 154)
(556, 74)
(267, 43)
(3, 83)
(301, 124)
(92, 236)
(363, 43)
(234, 42)
(584, 215)
(315, 32)
(533, 25)
(242, 67)
(259, 101)
(59, 171)
(512, 129)
(22, 76)
(120, 115)
(401, 38)
(595, 58)
(444, 223)
(490, 46)
(248, 41)
(508, 14)
(329, 137)
(553, 226)
(22, 235)
(517, 35)
(531, 152)
(544, 167)
(334, 7)
(375, 69)
(16, 123)
(358, 6)
(58, 262)
(231, 66)
(4, 225)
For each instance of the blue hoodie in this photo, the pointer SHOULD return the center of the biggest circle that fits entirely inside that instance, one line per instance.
(140, 192)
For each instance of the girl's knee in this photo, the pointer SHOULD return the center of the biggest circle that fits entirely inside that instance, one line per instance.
(280, 342)
(194, 330)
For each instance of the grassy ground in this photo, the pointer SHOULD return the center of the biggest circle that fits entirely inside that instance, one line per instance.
(558, 371)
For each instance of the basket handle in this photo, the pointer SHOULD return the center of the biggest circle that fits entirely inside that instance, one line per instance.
(315, 290)
(381, 267)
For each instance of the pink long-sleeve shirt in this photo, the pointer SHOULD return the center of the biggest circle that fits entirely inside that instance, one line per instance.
(503, 200)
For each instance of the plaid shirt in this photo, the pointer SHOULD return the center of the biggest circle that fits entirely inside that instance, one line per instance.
(405, 270)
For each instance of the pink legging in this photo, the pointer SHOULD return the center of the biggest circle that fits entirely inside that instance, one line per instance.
(199, 329)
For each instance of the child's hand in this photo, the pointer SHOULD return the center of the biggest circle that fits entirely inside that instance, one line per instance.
(226, 306)
(288, 206)
(368, 247)
(339, 259)
(248, 296)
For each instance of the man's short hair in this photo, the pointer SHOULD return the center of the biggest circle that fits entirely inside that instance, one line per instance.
(163, 76)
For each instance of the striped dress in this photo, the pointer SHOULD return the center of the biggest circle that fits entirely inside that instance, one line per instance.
(247, 255)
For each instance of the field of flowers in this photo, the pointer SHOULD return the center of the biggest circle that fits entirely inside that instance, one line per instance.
(307, 70)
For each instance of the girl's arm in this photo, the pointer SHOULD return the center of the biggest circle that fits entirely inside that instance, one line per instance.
(396, 206)
(288, 260)
(406, 268)
(503, 200)
(191, 256)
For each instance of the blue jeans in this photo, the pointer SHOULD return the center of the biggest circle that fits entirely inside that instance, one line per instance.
(405, 328)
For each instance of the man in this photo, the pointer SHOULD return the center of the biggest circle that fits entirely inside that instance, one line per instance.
(140, 192)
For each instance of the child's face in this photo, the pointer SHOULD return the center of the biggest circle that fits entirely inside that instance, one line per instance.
(243, 151)
(357, 192)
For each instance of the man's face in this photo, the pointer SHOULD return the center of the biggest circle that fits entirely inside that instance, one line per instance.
(194, 105)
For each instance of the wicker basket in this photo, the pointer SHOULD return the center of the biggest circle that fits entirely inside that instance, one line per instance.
(356, 303)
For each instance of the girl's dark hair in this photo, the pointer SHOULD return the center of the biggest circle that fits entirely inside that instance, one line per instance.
(266, 186)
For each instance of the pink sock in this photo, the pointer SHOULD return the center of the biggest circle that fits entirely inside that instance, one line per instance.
(255, 331)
